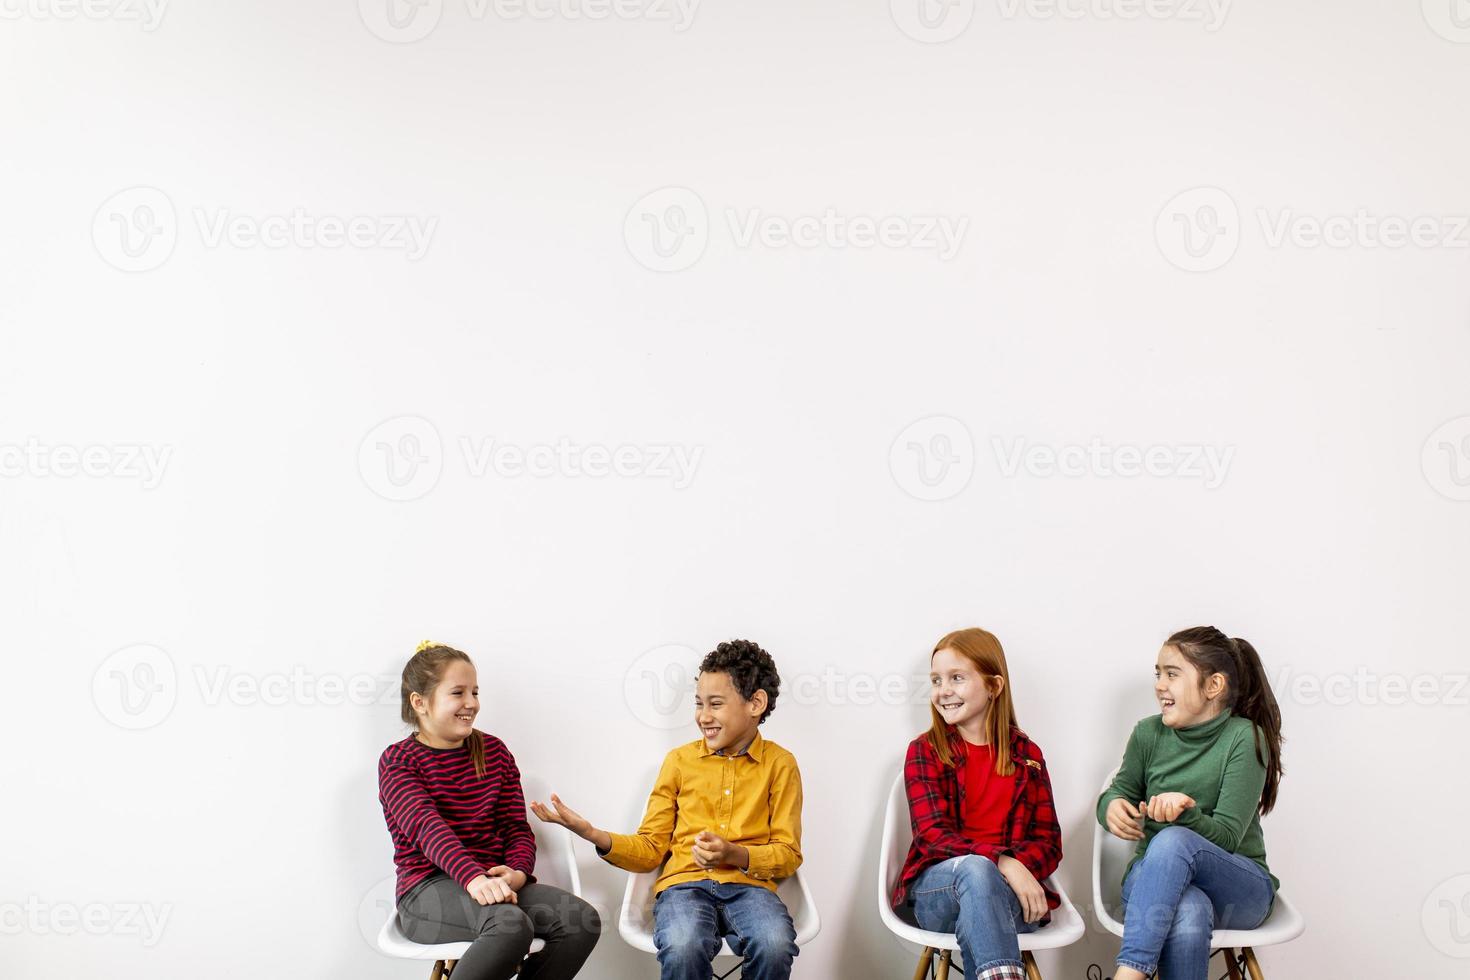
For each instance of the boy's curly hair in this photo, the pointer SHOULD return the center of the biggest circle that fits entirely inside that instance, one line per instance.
(750, 668)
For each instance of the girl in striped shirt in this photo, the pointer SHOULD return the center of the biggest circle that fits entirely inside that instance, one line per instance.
(465, 854)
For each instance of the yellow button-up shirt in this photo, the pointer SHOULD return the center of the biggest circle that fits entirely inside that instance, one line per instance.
(752, 799)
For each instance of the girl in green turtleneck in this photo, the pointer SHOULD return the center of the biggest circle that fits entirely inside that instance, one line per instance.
(1193, 786)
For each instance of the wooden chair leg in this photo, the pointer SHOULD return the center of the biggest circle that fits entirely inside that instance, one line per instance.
(943, 972)
(1033, 972)
(925, 959)
(1232, 970)
(449, 966)
(437, 973)
(1252, 966)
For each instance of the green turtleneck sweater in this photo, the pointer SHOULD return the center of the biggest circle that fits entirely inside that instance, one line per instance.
(1215, 763)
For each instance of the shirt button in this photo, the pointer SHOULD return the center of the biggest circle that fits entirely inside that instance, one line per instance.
(727, 792)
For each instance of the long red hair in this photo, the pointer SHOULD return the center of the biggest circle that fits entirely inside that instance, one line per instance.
(984, 651)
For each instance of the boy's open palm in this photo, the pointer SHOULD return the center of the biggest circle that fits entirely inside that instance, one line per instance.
(562, 814)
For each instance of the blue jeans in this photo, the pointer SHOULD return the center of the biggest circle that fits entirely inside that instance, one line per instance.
(1181, 890)
(690, 921)
(969, 897)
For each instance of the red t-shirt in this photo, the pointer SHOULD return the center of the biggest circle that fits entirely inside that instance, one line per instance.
(987, 797)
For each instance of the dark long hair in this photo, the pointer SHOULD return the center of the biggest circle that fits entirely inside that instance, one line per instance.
(1247, 692)
(421, 675)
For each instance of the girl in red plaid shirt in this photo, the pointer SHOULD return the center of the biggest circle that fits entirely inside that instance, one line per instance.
(986, 836)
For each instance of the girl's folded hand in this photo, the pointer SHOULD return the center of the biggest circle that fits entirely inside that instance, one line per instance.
(1124, 820)
(1166, 807)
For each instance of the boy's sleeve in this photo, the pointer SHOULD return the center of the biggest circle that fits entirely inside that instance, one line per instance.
(782, 856)
(646, 850)
(1240, 796)
(1128, 784)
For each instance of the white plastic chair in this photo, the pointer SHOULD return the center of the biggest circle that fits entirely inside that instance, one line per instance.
(1110, 857)
(1066, 925)
(635, 920)
(556, 865)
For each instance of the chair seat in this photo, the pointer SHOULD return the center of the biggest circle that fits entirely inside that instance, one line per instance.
(635, 922)
(1064, 929)
(393, 942)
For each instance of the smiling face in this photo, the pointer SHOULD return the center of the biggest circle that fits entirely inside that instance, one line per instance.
(1183, 700)
(725, 719)
(958, 691)
(447, 716)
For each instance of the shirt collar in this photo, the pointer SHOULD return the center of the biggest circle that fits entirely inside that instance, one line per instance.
(754, 749)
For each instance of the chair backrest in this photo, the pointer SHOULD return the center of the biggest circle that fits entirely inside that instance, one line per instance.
(893, 851)
(1110, 857)
(556, 861)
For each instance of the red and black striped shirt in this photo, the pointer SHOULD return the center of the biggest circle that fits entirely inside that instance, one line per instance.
(445, 818)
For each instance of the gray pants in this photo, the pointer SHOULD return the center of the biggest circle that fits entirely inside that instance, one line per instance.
(439, 910)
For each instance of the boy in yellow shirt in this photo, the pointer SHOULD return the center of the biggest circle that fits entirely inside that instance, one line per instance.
(724, 821)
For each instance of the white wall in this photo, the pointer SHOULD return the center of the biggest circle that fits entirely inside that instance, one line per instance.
(265, 544)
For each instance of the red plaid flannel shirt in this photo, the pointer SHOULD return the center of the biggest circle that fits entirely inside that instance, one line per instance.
(936, 808)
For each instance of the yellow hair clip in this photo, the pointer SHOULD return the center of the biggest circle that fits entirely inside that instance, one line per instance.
(425, 645)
